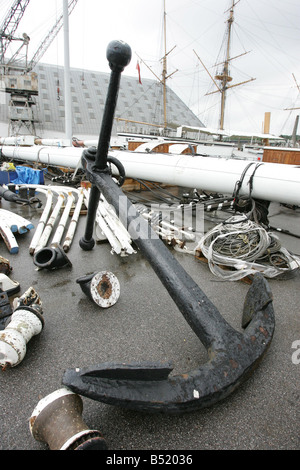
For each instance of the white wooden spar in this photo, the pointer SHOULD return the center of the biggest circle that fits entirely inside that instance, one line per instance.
(50, 223)
(63, 221)
(42, 222)
(272, 181)
(73, 224)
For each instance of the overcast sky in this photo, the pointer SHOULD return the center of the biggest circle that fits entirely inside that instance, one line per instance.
(269, 30)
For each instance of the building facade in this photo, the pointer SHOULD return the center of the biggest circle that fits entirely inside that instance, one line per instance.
(139, 107)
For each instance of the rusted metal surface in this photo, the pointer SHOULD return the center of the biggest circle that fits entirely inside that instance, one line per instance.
(102, 287)
(232, 355)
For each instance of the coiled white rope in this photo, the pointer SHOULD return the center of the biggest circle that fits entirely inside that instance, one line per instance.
(247, 247)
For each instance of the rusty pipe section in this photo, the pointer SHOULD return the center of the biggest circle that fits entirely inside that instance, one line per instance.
(102, 287)
(233, 355)
(57, 421)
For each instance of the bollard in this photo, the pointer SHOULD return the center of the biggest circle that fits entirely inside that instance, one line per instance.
(57, 421)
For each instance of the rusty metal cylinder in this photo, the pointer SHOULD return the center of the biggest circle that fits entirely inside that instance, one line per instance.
(102, 287)
(57, 421)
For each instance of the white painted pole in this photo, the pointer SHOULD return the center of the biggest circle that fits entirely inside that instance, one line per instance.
(42, 222)
(73, 224)
(63, 221)
(272, 181)
(68, 104)
(8, 237)
(49, 226)
(68, 157)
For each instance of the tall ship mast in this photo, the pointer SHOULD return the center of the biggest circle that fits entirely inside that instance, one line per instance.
(165, 76)
(224, 77)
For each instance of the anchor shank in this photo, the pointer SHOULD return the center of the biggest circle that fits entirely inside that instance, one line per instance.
(201, 314)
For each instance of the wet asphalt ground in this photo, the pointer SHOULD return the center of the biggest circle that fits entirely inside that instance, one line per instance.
(145, 325)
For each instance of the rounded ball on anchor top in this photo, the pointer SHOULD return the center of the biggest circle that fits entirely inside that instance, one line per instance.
(118, 54)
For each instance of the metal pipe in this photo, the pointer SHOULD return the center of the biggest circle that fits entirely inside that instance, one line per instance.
(106, 227)
(51, 258)
(102, 287)
(63, 220)
(106, 214)
(42, 222)
(71, 192)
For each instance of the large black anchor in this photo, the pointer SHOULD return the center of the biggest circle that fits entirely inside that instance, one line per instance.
(233, 355)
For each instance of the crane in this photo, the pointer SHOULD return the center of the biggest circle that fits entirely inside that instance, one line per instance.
(10, 25)
(17, 76)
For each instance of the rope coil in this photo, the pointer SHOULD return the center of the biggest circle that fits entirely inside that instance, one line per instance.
(247, 247)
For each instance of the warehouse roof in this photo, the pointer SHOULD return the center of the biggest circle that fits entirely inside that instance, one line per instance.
(136, 102)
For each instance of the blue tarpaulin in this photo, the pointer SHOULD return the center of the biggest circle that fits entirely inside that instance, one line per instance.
(26, 175)
(7, 176)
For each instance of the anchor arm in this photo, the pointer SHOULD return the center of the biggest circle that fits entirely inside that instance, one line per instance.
(152, 388)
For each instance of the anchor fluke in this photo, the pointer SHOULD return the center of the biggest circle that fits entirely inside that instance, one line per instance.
(152, 388)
